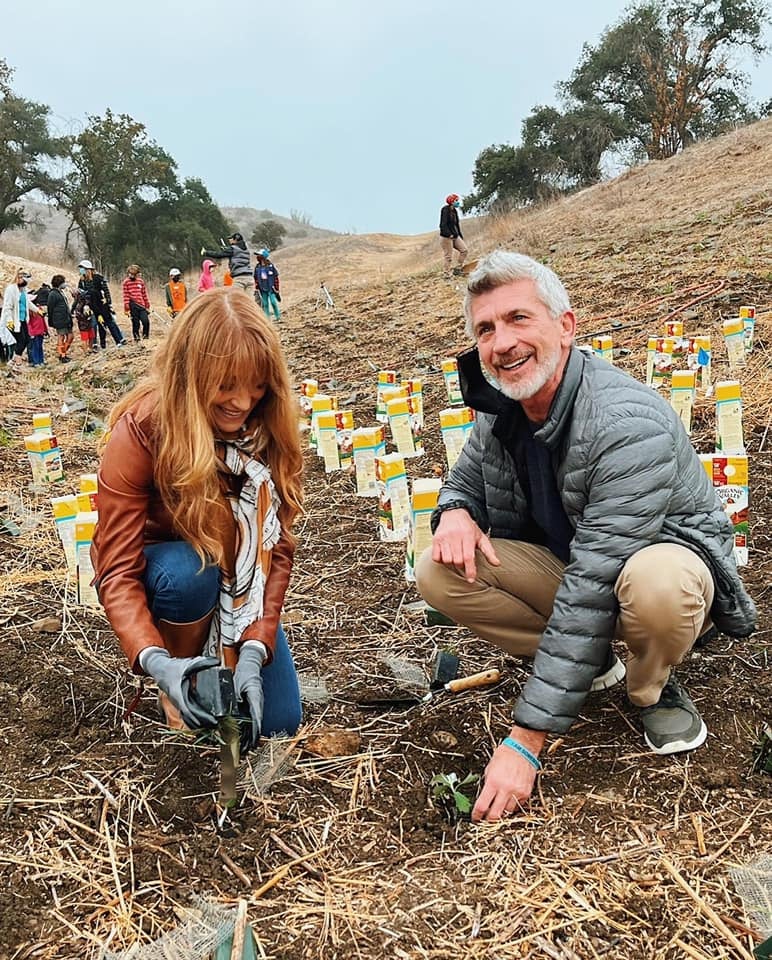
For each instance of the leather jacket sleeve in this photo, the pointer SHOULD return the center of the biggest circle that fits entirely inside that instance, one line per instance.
(126, 489)
(273, 597)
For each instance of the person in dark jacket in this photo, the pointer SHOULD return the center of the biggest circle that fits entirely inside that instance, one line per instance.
(267, 284)
(95, 287)
(578, 513)
(239, 261)
(451, 237)
(60, 316)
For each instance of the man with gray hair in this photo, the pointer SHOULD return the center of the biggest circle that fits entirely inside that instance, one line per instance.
(577, 513)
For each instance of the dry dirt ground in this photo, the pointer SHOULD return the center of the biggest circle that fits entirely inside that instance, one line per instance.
(109, 827)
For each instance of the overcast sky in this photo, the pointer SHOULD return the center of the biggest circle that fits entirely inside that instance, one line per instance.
(361, 114)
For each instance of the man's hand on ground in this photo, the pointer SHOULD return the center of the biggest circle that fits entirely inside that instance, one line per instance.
(455, 541)
(509, 777)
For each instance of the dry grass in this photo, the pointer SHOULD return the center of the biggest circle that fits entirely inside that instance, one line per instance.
(108, 825)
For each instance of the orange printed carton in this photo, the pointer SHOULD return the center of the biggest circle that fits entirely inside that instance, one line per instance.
(734, 338)
(455, 425)
(65, 510)
(45, 457)
(423, 500)
(368, 443)
(402, 425)
(308, 388)
(729, 476)
(452, 384)
(603, 347)
(730, 439)
(84, 534)
(698, 358)
(683, 388)
(393, 497)
(320, 403)
(41, 423)
(748, 317)
(386, 379)
(415, 396)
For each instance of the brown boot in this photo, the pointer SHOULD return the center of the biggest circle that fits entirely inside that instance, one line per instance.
(182, 640)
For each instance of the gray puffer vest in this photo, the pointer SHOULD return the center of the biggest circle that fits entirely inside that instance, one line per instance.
(628, 477)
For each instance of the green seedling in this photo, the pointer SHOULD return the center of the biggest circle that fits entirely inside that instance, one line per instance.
(452, 792)
(762, 754)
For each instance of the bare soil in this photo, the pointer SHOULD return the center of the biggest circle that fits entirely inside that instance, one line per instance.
(109, 826)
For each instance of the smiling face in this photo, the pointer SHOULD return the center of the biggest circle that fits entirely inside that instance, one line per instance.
(521, 345)
(232, 405)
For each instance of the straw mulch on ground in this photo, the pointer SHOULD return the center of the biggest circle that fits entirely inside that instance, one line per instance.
(109, 827)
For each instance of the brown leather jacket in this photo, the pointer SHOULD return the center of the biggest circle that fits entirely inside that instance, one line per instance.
(131, 515)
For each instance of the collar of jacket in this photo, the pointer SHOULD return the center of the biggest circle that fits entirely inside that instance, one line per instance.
(483, 397)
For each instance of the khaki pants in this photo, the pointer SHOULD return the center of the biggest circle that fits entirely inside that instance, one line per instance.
(449, 244)
(664, 591)
(246, 283)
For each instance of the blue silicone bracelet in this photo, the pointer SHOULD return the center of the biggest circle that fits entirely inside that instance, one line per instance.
(523, 751)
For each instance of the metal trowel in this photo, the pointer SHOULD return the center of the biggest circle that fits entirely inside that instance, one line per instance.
(404, 700)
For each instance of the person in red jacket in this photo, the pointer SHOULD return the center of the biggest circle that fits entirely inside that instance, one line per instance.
(136, 302)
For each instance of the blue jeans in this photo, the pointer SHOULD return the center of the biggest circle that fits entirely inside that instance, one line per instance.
(35, 350)
(178, 590)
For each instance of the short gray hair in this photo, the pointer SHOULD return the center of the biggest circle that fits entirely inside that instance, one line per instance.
(502, 267)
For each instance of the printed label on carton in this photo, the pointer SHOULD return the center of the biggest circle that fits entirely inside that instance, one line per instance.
(368, 443)
(423, 500)
(729, 476)
(393, 497)
(452, 384)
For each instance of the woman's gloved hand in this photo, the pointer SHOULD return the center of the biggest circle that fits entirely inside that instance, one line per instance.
(248, 684)
(173, 675)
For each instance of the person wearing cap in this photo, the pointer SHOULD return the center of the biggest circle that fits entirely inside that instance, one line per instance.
(451, 237)
(14, 314)
(136, 302)
(176, 293)
(97, 292)
(239, 264)
(267, 284)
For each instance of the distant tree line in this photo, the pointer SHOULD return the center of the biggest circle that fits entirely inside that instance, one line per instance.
(658, 80)
(119, 189)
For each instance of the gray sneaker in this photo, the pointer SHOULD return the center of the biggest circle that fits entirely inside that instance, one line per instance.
(673, 724)
(612, 671)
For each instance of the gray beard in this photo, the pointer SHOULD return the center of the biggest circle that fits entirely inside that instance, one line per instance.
(525, 390)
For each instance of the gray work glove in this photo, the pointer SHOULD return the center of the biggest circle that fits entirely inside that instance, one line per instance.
(173, 675)
(248, 684)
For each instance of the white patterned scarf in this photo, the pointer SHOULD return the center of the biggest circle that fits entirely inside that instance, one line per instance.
(255, 511)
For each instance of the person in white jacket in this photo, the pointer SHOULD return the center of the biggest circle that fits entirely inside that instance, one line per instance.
(14, 314)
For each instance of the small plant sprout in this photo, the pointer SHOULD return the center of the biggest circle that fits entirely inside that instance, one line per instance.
(453, 793)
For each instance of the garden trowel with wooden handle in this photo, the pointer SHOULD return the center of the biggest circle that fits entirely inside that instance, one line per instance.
(484, 679)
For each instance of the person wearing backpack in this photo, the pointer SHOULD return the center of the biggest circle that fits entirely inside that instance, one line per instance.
(95, 287)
